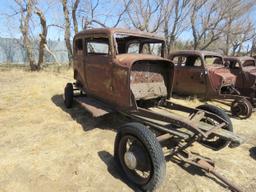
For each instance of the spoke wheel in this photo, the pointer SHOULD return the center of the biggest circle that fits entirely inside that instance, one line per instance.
(241, 108)
(135, 160)
(140, 156)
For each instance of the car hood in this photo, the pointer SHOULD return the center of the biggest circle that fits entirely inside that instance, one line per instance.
(223, 74)
(128, 59)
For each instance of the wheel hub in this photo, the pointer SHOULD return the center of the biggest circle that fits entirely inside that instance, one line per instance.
(130, 160)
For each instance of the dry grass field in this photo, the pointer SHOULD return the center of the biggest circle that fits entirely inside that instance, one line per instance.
(47, 148)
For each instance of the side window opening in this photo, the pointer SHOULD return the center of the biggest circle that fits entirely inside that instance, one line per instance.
(97, 46)
(192, 61)
(175, 60)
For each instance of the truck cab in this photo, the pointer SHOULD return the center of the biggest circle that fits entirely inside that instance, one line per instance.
(121, 66)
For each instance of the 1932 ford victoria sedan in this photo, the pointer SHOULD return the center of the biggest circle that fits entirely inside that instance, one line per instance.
(202, 73)
(124, 71)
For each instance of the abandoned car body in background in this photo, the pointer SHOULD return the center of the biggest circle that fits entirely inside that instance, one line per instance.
(202, 74)
(124, 71)
(244, 69)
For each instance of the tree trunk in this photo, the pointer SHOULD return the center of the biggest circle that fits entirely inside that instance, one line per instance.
(43, 37)
(24, 30)
(74, 9)
(67, 31)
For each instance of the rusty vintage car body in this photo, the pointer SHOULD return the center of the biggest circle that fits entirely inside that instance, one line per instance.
(125, 71)
(244, 68)
(203, 74)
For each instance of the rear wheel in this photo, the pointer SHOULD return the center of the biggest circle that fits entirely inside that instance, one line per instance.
(216, 143)
(140, 156)
(68, 95)
(241, 108)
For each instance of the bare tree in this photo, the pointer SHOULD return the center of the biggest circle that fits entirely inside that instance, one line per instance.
(26, 9)
(67, 35)
(208, 18)
(8, 46)
(253, 47)
(145, 15)
(91, 11)
(175, 18)
(43, 36)
(74, 17)
(239, 28)
(247, 33)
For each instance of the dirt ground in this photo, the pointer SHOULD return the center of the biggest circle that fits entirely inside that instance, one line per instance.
(45, 147)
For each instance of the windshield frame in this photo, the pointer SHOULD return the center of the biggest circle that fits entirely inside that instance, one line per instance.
(145, 37)
(212, 64)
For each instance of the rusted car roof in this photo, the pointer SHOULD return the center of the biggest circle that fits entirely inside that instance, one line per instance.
(119, 30)
(238, 59)
(196, 52)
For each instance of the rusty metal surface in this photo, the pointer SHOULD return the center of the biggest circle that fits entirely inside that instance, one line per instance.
(96, 108)
(107, 76)
(111, 31)
(194, 52)
(206, 81)
(244, 68)
(148, 81)
(207, 165)
(123, 82)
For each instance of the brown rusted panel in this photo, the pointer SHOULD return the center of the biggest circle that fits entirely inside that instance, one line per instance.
(96, 108)
(116, 80)
(107, 76)
(148, 80)
(244, 69)
(194, 76)
(121, 86)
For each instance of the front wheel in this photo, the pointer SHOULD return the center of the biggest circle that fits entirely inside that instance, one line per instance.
(140, 156)
(241, 108)
(68, 95)
(216, 143)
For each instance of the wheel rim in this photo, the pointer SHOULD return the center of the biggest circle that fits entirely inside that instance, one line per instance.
(240, 109)
(135, 160)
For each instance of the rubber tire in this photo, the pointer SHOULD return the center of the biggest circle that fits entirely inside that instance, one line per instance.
(220, 143)
(68, 95)
(154, 148)
(248, 103)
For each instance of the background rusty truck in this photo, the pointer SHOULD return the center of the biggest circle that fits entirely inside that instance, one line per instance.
(244, 68)
(203, 74)
(124, 71)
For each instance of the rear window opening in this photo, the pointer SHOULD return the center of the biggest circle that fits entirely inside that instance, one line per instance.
(97, 46)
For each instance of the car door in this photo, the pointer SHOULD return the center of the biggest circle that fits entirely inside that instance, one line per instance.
(190, 76)
(98, 67)
(236, 69)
